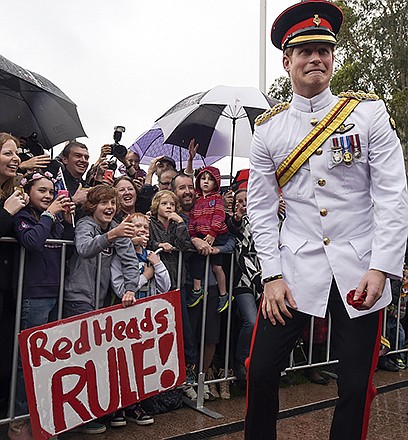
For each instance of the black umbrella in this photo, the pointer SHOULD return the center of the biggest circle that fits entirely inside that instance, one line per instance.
(221, 120)
(31, 103)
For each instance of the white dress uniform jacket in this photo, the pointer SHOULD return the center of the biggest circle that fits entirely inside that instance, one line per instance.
(341, 220)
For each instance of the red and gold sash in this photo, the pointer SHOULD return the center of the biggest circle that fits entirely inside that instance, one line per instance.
(326, 127)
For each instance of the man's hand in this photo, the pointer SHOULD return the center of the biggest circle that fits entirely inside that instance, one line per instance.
(202, 247)
(100, 170)
(105, 150)
(192, 149)
(153, 165)
(373, 282)
(139, 183)
(273, 302)
(80, 195)
(228, 199)
(209, 239)
(167, 247)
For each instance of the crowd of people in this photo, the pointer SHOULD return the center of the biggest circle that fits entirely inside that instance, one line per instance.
(328, 219)
(139, 229)
(327, 208)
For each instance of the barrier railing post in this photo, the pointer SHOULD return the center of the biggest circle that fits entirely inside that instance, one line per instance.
(199, 404)
(13, 385)
(62, 280)
(229, 319)
(98, 280)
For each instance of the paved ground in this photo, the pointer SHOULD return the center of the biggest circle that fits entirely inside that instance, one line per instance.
(389, 416)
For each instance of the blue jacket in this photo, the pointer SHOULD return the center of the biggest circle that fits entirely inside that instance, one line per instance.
(42, 261)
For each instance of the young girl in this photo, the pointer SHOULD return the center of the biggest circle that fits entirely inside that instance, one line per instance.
(34, 224)
(169, 232)
(155, 272)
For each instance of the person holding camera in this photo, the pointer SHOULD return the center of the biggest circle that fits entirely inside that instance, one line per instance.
(96, 174)
(32, 155)
(132, 168)
(157, 166)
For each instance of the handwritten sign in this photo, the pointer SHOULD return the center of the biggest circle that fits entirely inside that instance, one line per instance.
(87, 366)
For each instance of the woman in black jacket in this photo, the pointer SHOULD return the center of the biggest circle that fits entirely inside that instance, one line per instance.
(10, 203)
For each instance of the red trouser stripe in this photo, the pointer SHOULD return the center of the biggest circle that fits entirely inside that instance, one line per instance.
(371, 390)
(248, 359)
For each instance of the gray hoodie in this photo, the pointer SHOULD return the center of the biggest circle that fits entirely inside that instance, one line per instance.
(80, 282)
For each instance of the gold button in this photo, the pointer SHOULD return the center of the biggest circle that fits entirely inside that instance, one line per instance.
(319, 151)
(314, 121)
(323, 212)
(326, 241)
(321, 182)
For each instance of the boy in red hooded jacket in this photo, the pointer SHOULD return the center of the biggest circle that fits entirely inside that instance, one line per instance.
(207, 221)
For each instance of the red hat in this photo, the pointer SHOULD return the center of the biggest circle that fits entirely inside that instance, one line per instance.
(311, 21)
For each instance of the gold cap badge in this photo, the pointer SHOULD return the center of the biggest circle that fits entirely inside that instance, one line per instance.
(316, 20)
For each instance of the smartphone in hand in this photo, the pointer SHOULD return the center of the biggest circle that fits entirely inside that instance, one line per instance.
(65, 193)
(108, 176)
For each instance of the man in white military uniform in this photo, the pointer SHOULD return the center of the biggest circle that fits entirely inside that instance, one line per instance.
(340, 166)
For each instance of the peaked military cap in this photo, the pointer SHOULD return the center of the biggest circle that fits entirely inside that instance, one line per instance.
(310, 21)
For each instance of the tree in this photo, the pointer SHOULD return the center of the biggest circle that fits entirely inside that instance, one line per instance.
(371, 55)
(281, 89)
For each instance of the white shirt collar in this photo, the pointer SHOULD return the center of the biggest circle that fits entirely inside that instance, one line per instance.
(314, 104)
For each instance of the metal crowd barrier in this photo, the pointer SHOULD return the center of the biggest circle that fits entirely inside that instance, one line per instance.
(198, 404)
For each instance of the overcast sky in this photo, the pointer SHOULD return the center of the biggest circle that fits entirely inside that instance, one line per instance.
(125, 62)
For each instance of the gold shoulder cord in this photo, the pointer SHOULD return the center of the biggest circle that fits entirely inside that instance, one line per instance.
(360, 95)
(266, 115)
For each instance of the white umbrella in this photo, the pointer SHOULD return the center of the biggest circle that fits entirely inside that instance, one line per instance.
(221, 120)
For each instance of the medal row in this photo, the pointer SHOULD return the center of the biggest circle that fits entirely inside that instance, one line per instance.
(346, 149)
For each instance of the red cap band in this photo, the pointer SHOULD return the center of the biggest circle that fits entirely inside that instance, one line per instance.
(309, 23)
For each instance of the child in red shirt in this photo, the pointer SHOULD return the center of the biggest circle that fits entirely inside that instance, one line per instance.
(207, 221)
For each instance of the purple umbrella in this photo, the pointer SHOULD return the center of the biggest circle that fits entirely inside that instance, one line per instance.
(150, 145)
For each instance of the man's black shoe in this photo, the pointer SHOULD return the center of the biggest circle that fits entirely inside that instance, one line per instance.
(385, 364)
